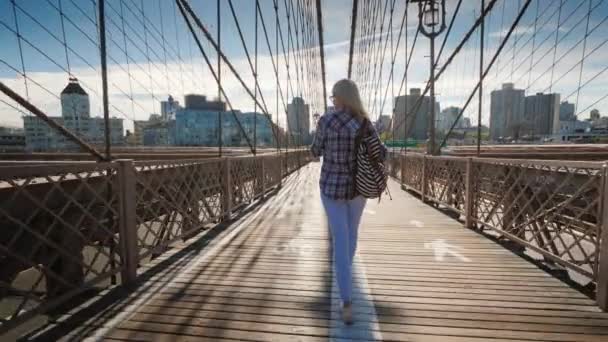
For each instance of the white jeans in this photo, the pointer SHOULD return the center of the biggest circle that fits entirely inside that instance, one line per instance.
(344, 217)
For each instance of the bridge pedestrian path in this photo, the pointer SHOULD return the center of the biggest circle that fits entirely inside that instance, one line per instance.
(419, 276)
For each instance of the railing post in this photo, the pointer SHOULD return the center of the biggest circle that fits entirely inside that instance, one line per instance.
(279, 169)
(469, 193)
(127, 224)
(424, 179)
(263, 174)
(602, 276)
(402, 167)
(226, 190)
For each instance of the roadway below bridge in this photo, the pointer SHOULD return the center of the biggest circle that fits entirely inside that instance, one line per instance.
(419, 276)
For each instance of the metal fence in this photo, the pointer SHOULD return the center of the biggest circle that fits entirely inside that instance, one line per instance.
(555, 208)
(66, 228)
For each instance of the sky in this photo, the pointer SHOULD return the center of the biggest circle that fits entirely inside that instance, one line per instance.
(157, 55)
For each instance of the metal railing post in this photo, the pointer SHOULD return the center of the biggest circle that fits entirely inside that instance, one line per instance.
(226, 190)
(263, 175)
(279, 170)
(602, 277)
(424, 179)
(469, 193)
(127, 221)
(402, 167)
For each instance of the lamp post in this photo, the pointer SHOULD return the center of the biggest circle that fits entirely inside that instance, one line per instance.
(431, 22)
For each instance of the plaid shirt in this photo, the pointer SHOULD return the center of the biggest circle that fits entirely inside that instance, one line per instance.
(335, 142)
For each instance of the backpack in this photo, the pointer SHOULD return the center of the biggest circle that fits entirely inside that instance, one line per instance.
(370, 176)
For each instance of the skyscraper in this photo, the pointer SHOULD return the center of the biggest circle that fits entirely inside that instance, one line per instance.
(448, 116)
(417, 123)
(507, 108)
(542, 112)
(298, 120)
(566, 111)
(168, 108)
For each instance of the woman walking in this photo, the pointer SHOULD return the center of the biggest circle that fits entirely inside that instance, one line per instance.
(335, 141)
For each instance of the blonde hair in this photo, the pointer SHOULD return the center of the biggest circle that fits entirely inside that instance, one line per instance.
(347, 91)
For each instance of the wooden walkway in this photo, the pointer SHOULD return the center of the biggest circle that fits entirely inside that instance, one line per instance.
(420, 276)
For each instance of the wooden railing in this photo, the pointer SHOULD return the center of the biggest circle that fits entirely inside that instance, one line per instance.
(556, 208)
(66, 228)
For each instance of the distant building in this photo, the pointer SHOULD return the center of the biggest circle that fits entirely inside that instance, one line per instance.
(448, 116)
(298, 120)
(383, 124)
(12, 139)
(75, 116)
(417, 123)
(199, 102)
(139, 127)
(138, 132)
(263, 128)
(194, 127)
(197, 125)
(158, 133)
(507, 108)
(542, 114)
(601, 123)
(566, 111)
(594, 114)
(168, 109)
(569, 127)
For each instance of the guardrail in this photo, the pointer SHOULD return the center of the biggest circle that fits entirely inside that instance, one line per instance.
(66, 228)
(556, 208)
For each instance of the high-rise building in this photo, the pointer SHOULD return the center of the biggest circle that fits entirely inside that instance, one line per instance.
(383, 124)
(507, 108)
(594, 114)
(158, 133)
(541, 116)
(298, 121)
(417, 123)
(138, 132)
(566, 111)
(168, 109)
(155, 120)
(263, 128)
(197, 125)
(200, 102)
(12, 139)
(448, 116)
(76, 117)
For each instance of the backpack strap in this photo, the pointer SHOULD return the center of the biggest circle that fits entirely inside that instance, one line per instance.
(358, 141)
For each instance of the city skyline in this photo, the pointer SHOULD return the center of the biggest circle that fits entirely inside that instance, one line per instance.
(336, 47)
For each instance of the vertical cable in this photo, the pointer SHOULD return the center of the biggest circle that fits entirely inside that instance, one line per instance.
(179, 51)
(23, 72)
(104, 75)
(482, 28)
(515, 46)
(65, 45)
(162, 33)
(148, 58)
(288, 74)
(580, 75)
(255, 76)
(219, 77)
(321, 51)
(278, 70)
(559, 17)
(124, 37)
(405, 109)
